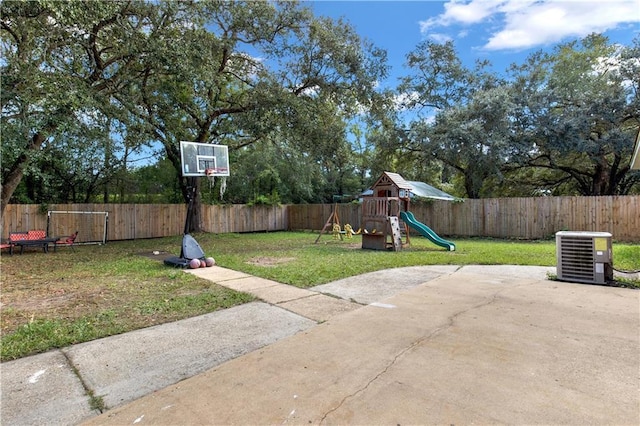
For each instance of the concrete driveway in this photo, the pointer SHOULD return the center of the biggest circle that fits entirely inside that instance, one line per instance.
(448, 346)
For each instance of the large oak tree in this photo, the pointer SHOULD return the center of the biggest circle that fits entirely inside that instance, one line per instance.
(578, 111)
(62, 62)
(230, 72)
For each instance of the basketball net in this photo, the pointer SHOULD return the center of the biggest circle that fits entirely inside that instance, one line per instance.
(211, 176)
(223, 186)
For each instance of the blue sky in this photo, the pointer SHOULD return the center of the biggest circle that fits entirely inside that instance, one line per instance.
(502, 31)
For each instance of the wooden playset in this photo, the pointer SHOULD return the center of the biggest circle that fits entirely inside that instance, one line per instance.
(386, 218)
(381, 226)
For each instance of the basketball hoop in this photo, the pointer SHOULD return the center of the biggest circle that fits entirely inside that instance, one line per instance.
(211, 176)
(205, 160)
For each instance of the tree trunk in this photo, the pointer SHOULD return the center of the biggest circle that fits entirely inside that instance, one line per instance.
(197, 218)
(16, 171)
(472, 184)
(190, 187)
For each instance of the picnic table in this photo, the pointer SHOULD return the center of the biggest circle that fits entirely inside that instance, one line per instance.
(30, 239)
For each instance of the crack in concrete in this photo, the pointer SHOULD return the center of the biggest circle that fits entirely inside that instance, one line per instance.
(449, 323)
(95, 402)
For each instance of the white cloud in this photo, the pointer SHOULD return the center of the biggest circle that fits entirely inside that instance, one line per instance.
(463, 33)
(440, 37)
(522, 24)
(461, 12)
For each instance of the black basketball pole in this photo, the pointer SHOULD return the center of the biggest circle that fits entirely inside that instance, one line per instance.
(191, 193)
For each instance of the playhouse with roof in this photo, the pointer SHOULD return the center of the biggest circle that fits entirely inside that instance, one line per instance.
(386, 215)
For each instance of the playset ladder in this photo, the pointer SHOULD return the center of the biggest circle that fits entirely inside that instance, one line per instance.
(396, 236)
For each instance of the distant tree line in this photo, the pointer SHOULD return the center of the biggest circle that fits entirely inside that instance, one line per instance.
(96, 97)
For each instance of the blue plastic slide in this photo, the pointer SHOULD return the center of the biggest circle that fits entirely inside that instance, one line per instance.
(425, 231)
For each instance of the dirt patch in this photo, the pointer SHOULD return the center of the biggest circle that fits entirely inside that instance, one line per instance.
(270, 261)
(59, 299)
(42, 302)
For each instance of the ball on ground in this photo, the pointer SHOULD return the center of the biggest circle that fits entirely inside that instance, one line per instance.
(210, 261)
(194, 263)
(203, 264)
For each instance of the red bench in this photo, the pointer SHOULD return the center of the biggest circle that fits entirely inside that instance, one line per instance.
(33, 238)
(7, 246)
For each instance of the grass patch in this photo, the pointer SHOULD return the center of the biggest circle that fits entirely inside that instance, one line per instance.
(308, 264)
(626, 257)
(58, 299)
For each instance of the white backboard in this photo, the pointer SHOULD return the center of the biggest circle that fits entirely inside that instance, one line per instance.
(196, 158)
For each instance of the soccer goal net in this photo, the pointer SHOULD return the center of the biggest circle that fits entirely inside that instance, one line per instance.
(91, 226)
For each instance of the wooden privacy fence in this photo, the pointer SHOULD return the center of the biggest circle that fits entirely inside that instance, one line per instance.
(535, 218)
(526, 218)
(134, 221)
(314, 216)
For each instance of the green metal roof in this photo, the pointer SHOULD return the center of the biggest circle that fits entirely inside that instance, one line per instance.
(421, 189)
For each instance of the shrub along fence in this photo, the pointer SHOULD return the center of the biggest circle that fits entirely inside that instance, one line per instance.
(524, 218)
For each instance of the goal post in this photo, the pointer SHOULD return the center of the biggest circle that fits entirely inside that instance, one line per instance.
(91, 226)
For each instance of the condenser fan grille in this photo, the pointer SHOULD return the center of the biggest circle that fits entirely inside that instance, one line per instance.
(584, 257)
(577, 260)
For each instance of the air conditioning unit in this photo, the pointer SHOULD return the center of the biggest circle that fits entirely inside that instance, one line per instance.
(584, 257)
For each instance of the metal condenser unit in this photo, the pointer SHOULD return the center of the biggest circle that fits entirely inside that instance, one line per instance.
(584, 257)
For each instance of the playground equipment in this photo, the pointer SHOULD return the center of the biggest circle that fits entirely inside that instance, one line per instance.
(333, 222)
(198, 160)
(349, 232)
(425, 231)
(382, 210)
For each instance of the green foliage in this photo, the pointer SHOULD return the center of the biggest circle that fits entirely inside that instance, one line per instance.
(265, 200)
(157, 183)
(62, 62)
(470, 134)
(115, 76)
(563, 123)
(90, 89)
(577, 118)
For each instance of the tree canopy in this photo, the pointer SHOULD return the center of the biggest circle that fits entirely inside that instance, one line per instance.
(578, 110)
(97, 96)
(235, 73)
(562, 123)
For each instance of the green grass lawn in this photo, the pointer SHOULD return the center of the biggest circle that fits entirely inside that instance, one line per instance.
(293, 258)
(58, 299)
